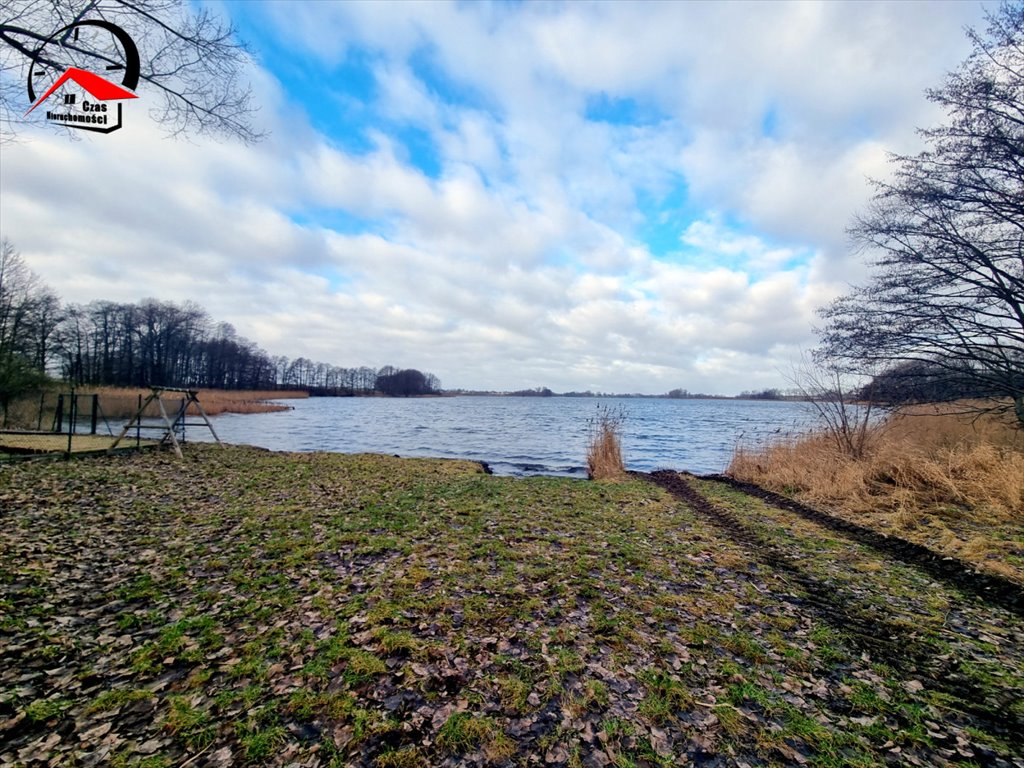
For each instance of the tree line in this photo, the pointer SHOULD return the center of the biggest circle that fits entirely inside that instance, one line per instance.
(152, 342)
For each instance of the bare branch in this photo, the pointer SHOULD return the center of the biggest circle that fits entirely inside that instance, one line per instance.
(191, 61)
(946, 237)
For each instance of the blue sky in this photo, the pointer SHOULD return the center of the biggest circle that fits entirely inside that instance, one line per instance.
(608, 196)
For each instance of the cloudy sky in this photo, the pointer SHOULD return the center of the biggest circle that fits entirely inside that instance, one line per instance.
(616, 196)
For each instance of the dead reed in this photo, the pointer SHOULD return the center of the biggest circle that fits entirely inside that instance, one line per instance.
(604, 445)
(123, 402)
(942, 478)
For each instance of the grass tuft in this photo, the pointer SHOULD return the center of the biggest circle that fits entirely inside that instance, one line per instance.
(462, 732)
(604, 447)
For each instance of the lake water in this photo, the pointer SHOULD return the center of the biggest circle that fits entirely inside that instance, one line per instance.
(517, 435)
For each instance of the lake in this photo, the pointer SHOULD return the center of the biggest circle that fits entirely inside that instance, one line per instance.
(518, 435)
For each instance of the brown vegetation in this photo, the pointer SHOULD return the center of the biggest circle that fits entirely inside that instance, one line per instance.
(604, 447)
(935, 476)
(37, 410)
(123, 402)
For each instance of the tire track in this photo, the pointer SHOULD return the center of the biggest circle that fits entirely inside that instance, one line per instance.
(867, 629)
(990, 588)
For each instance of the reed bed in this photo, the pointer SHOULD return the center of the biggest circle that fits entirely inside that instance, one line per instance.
(122, 403)
(934, 475)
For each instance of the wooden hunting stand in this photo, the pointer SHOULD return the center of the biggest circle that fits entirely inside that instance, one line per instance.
(169, 426)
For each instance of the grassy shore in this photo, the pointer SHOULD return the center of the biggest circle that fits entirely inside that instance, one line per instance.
(243, 607)
(948, 480)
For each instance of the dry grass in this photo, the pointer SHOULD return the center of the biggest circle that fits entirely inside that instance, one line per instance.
(45, 443)
(34, 411)
(37, 410)
(122, 403)
(951, 481)
(604, 447)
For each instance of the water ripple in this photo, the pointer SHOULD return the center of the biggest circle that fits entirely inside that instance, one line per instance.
(518, 435)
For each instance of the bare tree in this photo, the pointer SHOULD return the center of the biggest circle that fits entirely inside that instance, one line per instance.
(29, 310)
(946, 236)
(844, 405)
(29, 313)
(191, 63)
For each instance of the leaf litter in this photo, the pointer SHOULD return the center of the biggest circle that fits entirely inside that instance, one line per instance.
(245, 607)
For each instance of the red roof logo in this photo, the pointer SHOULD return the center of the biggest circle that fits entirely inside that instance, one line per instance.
(96, 86)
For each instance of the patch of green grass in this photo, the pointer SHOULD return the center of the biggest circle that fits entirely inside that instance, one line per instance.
(191, 725)
(513, 691)
(260, 742)
(828, 643)
(248, 697)
(307, 705)
(143, 589)
(617, 728)
(864, 698)
(367, 723)
(249, 668)
(614, 627)
(462, 732)
(129, 620)
(701, 633)
(113, 699)
(49, 647)
(742, 693)
(362, 666)
(666, 696)
(595, 695)
(42, 710)
(409, 757)
(799, 725)
(395, 643)
(567, 661)
(732, 723)
(746, 645)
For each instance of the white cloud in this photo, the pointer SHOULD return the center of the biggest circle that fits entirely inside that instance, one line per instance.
(523, 263)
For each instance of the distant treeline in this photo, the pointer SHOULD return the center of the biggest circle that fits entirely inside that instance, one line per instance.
(918, 381)
(675, 394)
(107, 343)
(156, 342)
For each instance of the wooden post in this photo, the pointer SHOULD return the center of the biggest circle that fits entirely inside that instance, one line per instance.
(95, 413)
(170, 426)
(72, 415)
(194, 397)
(136, 421)
(58, 417)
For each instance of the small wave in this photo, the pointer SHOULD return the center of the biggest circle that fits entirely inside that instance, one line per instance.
(533, 469)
